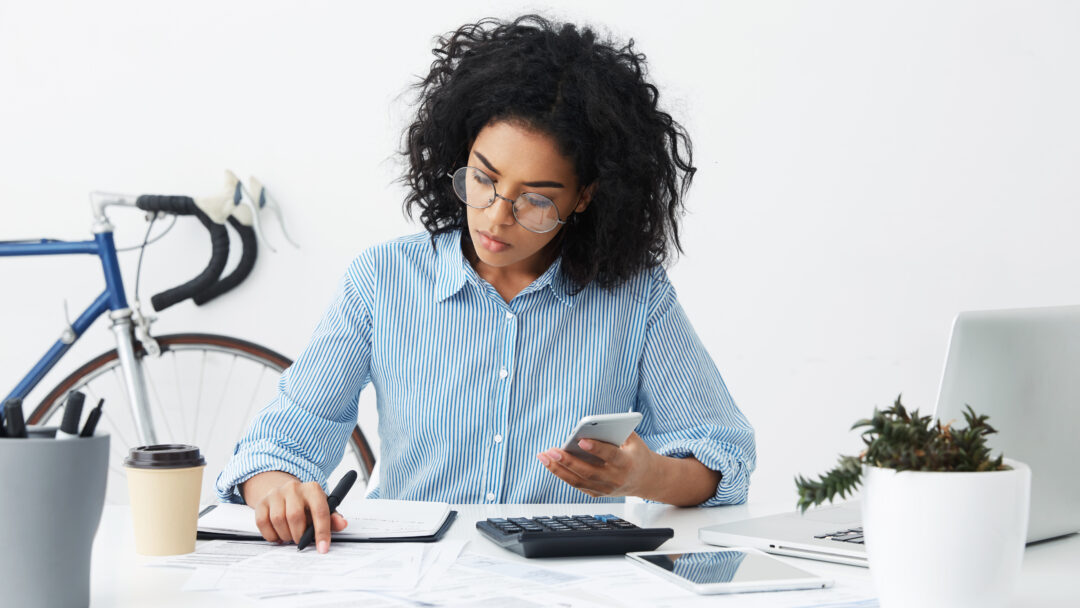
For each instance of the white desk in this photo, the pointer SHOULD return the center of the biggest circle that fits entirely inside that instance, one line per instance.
(1051, 571)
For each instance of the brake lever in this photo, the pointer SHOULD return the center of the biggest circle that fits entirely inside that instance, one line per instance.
(246, 212)
(263, 200)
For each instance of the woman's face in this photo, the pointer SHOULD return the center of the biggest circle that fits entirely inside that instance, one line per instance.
(518, 160)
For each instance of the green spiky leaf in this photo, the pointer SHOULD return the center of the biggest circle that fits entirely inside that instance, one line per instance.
(905, 441)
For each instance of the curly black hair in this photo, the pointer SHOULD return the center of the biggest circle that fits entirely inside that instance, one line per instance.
(592, 97)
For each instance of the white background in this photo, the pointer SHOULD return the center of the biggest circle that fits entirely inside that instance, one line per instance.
(867, 170)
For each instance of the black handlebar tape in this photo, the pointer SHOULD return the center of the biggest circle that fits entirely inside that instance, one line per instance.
(219, 243)
(249, 251)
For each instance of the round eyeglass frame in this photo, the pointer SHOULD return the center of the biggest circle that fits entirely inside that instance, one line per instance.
(513, 203)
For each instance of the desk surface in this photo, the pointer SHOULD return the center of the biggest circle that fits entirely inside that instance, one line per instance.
(120, 577)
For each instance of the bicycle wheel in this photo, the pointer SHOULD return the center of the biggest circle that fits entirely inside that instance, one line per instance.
(203, 389)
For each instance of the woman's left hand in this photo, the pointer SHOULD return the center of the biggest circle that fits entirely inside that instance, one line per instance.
(626, 470)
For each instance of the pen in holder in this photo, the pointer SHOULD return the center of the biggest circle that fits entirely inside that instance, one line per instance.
(54, 492)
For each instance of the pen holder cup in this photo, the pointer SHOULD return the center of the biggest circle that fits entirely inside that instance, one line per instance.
(54, 491)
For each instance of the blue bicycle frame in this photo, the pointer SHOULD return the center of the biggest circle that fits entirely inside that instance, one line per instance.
(113, 300)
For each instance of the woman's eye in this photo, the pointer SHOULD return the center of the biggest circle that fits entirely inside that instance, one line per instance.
(480, 178)
(538, 201)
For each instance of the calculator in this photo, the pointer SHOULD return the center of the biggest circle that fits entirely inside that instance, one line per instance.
(568, 535)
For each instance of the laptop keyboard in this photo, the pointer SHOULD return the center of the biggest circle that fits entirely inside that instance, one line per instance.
(853, 535)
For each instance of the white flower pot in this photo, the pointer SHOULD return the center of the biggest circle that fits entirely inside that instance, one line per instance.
(945, 539)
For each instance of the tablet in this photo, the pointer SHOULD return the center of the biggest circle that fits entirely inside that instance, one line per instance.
(727, 571)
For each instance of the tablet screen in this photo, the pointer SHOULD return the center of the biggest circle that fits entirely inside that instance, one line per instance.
(725, 567)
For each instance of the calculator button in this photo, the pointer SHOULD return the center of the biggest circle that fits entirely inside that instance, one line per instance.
(566, 535)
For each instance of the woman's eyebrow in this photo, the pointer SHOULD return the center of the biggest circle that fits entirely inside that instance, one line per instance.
(542, 184)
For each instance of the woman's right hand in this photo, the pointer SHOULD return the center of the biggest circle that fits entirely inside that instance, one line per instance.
(283, 506)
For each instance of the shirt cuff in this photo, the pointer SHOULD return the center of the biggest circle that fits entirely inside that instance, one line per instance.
(724, 457)
(259, 457)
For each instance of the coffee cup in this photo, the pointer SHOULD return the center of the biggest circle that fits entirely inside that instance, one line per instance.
(164, 482)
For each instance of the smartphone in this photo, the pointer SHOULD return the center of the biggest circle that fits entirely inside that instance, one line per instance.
(736, 570)
(610, 428)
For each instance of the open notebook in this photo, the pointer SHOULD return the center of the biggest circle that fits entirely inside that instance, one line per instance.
(372, 520)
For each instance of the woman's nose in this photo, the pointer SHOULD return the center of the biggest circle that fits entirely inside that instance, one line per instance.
(502, 210)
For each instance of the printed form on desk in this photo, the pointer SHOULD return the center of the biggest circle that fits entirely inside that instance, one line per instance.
(368, 519)
(440, 574)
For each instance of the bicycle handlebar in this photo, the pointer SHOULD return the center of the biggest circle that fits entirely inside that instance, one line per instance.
(248, 254)
(219, 254)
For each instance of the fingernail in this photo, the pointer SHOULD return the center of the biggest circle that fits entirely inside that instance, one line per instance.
(544, 459)
(585, 444)
(324, 546)
(555, 455)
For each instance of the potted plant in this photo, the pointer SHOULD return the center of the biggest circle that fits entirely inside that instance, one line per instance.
(944, 523)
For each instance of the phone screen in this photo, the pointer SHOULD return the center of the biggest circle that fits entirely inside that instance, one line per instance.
(731, 566)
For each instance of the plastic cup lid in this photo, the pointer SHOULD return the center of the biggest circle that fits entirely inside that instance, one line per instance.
(164, 456)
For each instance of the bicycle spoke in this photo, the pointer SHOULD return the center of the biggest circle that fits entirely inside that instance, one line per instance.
(221, 403)
(254, 395)
(198, 393)
(180, 396)
(115, 430)
(117, 469)
(119, 451)
(161, 406)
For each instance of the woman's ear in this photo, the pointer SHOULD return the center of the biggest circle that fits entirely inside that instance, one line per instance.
(586, 197)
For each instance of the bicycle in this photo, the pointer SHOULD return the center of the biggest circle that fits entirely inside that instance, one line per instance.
(158, 377)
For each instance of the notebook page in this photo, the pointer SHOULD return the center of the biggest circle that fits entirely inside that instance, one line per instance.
(373, 518)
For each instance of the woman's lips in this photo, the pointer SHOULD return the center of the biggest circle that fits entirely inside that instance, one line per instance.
(490, 243)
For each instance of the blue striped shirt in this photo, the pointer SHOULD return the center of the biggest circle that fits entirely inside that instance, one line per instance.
(470, 388)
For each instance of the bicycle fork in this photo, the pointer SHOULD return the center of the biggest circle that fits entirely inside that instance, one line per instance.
(134, 379)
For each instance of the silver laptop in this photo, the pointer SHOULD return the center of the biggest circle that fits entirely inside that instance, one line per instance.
(1020, 367)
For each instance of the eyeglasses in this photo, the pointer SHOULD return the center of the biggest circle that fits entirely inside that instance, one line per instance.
(533, 212)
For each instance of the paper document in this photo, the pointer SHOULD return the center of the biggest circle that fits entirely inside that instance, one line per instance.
(378, 574)
(368, 519)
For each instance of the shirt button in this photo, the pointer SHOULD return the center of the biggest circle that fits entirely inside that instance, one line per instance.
(503, 373)
(498, 438)
(509, 316)
(490, 496)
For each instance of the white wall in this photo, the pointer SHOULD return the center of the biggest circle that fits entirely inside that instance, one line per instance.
(866, 171)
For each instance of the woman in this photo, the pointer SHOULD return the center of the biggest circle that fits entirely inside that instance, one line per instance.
(550, 187)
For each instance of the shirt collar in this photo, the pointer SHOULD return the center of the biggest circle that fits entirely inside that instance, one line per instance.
(449, 265)
(453, 270)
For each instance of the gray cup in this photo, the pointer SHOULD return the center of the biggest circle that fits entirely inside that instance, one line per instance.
(53, 493)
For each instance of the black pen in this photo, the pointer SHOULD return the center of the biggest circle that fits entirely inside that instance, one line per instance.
(92, 420)
(69, 428)
(333, 501)
(16, 424)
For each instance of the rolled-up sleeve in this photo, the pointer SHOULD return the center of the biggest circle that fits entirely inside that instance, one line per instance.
(687, 409)
(304, 429)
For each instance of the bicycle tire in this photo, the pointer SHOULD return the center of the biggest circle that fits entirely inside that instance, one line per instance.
(109, 361)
